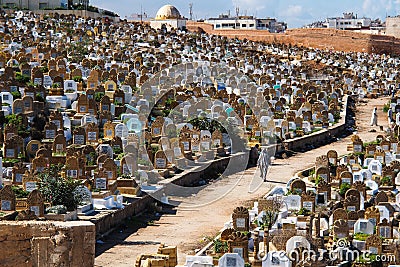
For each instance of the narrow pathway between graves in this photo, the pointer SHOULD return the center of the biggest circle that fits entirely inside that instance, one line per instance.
(187, 227)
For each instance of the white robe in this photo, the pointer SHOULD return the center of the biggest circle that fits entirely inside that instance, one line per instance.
(374, 118)
(263, 162)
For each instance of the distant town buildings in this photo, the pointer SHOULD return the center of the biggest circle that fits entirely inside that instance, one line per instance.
(351, 22)
(227, 22)
(168, 17)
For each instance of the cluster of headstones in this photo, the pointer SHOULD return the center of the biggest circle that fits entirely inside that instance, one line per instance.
(90, 95)
(348, 202)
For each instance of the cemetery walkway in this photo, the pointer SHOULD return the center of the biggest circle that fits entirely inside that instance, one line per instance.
(199, 217)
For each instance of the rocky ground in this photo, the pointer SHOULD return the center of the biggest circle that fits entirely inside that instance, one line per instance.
(200, 216)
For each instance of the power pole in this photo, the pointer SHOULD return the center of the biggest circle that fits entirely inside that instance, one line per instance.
(191, 11)
(237, 18)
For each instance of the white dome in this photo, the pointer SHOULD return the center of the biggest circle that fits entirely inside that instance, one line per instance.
(168, 12)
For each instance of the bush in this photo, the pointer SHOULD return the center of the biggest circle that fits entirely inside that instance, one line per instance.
(343, 188)
(318, 180)
(19, 192)
(22, 78)
(386, 107)
(387, 180)
(304, 212)
(98, 96)
(77, 79)
(58, 190)
(16, 94)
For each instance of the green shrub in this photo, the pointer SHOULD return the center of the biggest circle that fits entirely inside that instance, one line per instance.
(58, 190)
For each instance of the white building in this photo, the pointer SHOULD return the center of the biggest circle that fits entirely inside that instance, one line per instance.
(348, 22)
(168, 17)
(226, 22)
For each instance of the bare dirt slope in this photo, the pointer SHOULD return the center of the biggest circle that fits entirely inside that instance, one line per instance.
(199, 216)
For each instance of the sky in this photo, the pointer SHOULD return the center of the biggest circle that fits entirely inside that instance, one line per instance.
(296, 13)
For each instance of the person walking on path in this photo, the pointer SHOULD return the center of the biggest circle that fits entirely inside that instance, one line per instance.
(390, 117)
(374, 117)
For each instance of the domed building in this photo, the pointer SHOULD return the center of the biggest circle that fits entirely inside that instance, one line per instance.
(168, 17)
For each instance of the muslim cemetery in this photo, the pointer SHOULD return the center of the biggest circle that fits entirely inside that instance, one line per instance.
(103, 120)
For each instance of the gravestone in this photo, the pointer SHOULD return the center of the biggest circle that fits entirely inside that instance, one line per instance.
(238, 243)
(373, 244)
(231, 260)
(35, 203)
(7, 198)
(293, 202)
(240, 218)
(160, 160)
(364, 226)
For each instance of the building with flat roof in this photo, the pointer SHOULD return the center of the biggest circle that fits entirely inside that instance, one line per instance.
(226, 22)
(349, 21)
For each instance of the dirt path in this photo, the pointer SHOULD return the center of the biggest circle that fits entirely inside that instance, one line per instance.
(199, 216)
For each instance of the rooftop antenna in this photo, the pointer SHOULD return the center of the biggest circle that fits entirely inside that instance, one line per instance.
(237, 12)
(141, 14)
(191, 11)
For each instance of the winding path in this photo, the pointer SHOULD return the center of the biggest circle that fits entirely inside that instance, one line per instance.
(202, 217)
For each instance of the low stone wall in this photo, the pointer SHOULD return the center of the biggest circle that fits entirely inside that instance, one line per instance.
(43, 243)
(320, 137)
(108, 220)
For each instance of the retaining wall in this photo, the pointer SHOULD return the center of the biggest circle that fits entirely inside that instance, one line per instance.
(43, 243)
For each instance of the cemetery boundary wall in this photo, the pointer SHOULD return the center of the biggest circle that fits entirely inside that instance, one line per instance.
(44, 243)
(331, 39)
(321, 137)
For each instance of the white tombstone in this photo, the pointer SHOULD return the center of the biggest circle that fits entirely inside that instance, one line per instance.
(364, 226)
(367, 174)
(105, 149)
(389, 158)
(134, 125)
(7, 98)
(87, 118)
(127, 116)
(121, 130)
(276, 258)
(384, 213)
(67, 122)
(375, 166)
(47, 81)
(373, 185)
(234, 259)
(357, 176)
(199, 261)
(128, 92)
(293, 202)
(306, 127)
(295, 242)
